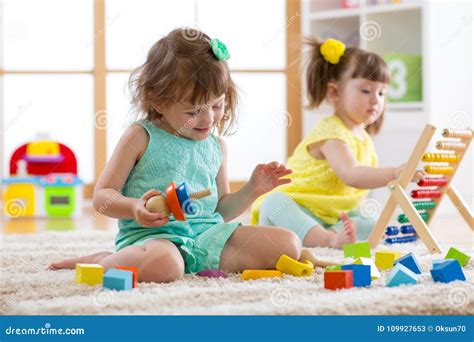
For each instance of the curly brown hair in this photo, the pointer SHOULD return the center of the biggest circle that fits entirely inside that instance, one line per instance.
(362, 64)
(181, 67)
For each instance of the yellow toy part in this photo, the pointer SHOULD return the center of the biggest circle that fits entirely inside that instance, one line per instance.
(293, 267)
(42, 149)
(384, 259)
(90, 274)
(258, 274)
(19, 200)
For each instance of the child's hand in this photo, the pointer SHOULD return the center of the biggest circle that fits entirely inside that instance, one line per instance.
(419, 174)
(266, 177)
(143, 216)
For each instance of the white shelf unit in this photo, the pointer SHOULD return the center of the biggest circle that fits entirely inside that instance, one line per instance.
(438, 31)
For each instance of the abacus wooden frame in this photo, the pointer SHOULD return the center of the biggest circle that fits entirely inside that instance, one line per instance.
(398, 196)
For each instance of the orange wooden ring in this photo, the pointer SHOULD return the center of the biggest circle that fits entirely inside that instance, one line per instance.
(173, 202)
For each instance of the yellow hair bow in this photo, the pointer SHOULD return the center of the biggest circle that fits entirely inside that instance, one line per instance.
(332, 50)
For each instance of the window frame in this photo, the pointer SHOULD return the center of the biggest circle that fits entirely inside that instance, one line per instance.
(99, 73)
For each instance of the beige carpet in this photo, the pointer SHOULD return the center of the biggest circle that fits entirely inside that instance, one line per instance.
(28, 289)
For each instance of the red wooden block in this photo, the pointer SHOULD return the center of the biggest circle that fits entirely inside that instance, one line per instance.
(334, 280)
(134, 270)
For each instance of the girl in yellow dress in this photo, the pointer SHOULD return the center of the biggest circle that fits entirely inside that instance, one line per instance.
(336, 164)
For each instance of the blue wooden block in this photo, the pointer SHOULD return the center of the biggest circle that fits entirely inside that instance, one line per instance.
(437, 262)
(118, 280)
(361, 274)
(401, 275)
(447, 271)
(410, 262)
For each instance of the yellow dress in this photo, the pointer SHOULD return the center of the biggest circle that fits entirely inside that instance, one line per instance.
(314, 184)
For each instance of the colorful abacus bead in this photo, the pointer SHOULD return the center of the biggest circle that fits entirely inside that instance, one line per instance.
(434, 193)
(392, 230)
(424, 205)
(402, 239)
(440, 157)
(402, 218)
(439, 170)
(433, 181)
(450, 145)
(457, 133)
(407, 229)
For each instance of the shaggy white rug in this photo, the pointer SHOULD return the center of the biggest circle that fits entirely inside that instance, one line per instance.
(28, 289)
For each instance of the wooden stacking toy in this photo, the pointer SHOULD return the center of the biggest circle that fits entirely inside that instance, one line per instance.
(288, 265)
(308, 255)
(440, 167)
(258, 274)
(178, 201)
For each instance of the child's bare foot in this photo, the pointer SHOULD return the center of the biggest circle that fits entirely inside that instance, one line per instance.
(347, 234)
(71, 263)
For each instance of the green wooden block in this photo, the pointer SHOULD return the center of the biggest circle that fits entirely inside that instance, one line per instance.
(333, 268)
(453, 253)
(357, 250)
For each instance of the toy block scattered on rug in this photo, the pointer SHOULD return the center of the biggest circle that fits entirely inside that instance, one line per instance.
(401, 275)
(356, 250)
(120, 280)
(334, 280)
(410, 262)
(134, 271)
(447, 271)
(438, 261)
(333, 268)
(361, 274)
(385, 259)
(453, 253)
(90, 274)
(374, 272)
(288, 265)
(258, 274)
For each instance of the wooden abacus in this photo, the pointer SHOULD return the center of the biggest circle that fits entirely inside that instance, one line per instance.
(420, 213)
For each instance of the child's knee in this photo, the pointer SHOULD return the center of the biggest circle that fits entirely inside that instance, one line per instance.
(287, 243)
(161, 268)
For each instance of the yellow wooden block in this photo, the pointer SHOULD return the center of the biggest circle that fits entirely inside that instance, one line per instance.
(374, 272)
(90, 274)
(288, 265)
(384, 259)
(257, 274)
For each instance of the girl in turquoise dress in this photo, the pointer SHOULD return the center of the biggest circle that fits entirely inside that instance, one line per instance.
(186, 94)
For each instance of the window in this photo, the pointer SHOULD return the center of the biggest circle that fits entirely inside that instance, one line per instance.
(66, 64)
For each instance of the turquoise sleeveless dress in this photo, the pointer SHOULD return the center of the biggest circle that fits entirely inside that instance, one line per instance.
(169, 158)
